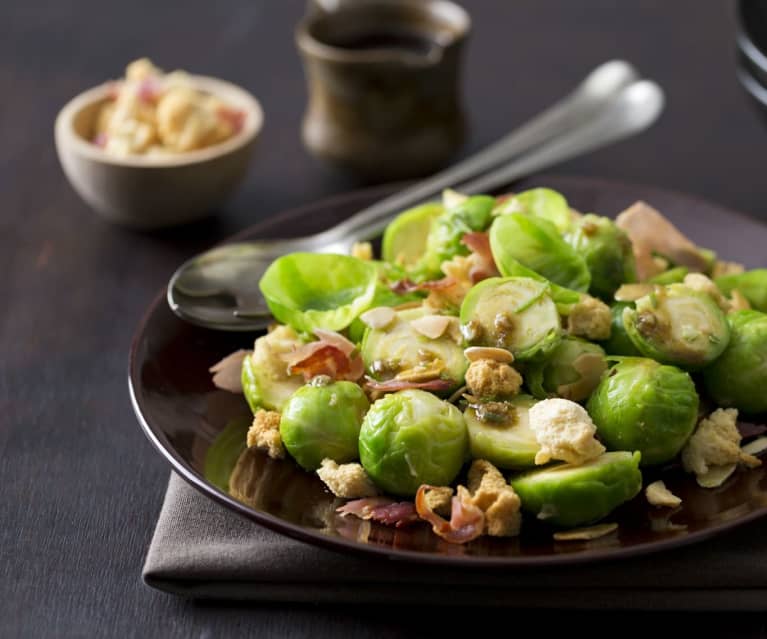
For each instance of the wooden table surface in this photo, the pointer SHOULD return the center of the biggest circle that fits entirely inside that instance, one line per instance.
(80, 486)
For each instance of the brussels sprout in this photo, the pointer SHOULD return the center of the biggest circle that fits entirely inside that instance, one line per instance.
(739, 377)
(646, 406)
(515, 313)
(322, 420)
(447, 230)
(677, 325)
(674, 275)
(500, 433)
(404, 240)
(619, 343)
(401, 350)
(265, 379)
(318, 290)
(411, 438)
(518, 239)
(568, 495)
(572, 370)
(543, 203)
(751, 284)
(607, 251)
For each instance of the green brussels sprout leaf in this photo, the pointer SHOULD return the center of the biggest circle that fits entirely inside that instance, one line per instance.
(543, 203)
(404, 240)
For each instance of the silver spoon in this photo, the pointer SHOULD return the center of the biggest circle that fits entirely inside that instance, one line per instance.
(219, 288)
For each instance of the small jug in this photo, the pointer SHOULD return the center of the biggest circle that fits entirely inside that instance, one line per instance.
(383, 80)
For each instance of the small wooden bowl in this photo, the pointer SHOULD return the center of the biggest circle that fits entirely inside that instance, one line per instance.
(146, 192)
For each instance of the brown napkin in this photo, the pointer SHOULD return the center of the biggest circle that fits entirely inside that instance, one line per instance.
(202, 550)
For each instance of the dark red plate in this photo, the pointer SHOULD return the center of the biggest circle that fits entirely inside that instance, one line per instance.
(183, 415)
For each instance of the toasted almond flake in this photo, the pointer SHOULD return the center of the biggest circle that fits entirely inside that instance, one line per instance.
(755, 447)
(431, 326)
(586, 534)
(379, 318)
(632, 292)
(716, 476)
(658, 495)
(475, 353)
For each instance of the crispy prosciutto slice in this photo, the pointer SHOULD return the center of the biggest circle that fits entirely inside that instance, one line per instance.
(381, 509)
(332, 355)
(394, 385)
(484, 264)
(227, 372)
(467, 521)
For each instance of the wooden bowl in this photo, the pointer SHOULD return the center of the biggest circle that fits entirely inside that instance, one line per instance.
(149, 192)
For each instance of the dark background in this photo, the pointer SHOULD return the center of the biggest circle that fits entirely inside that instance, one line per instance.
(80, 486)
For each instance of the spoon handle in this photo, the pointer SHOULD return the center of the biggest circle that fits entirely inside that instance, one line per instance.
(572, 112)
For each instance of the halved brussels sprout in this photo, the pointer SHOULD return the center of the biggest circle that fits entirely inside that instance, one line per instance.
(404, 240)
(446, 232)
(401, 351)
(535, 243)
(739, 377)
(572, 370)
(515, 313)
(323, 421)
(265, 379)
(543, 203)
(411, 438)
(568, 495)
(619, 343)
(751, 284)
(318, 290)
(646, 406)
(500, 433)
(607, 251)
(677, 325)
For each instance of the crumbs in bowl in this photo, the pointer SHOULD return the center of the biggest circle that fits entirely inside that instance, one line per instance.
(151, 112)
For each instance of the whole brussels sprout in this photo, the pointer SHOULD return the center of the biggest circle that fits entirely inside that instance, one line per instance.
(607, 251)
(411, 438)
(533, 242)
(678, 325)
(751, 284)
(572, 370)
(739, 377)
(446, 232)
(619, 343)
(568, 495)
(646, 406)
(515, 313)
(323, 421)
(500, 433)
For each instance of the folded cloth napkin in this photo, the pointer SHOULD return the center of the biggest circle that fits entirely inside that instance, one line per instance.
(202, 550)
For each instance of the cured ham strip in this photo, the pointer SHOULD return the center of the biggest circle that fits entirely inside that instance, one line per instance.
(332, 355)
(381, 509)
(484, 267)
(748, 429)
(227, 373)
(467, 521)
(394, 385)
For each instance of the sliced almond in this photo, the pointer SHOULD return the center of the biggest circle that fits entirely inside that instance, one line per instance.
(715, 476)
(755, 447)
(379, 318)
(658, 495)
(475, 353)
(586, 534)
(431, 326)
(632, 292)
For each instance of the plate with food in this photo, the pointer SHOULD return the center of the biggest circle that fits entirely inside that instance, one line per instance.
(571, 371)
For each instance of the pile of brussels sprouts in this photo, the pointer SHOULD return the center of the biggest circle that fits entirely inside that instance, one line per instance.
(657, 347)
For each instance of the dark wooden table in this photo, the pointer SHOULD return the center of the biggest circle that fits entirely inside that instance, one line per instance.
(80, 486)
